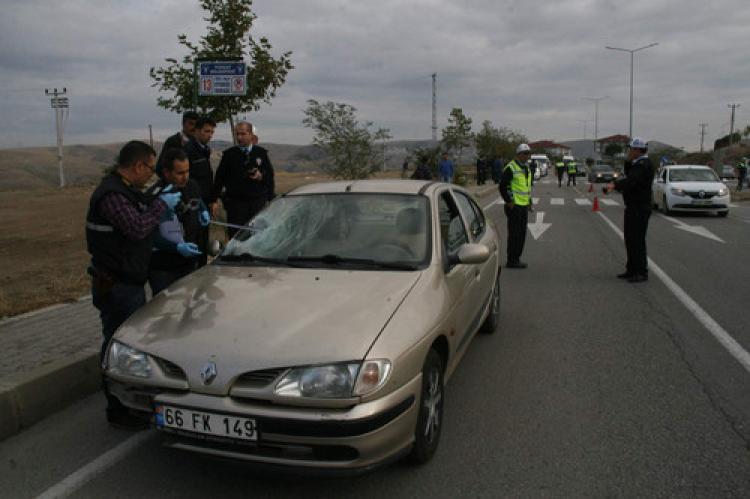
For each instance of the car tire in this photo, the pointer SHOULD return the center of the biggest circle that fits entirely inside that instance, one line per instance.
(489, 326)
(723, 213)
(665, 206)
(430, 417)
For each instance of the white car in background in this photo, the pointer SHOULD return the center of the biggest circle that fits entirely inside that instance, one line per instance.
(542, 164)
(690, 188)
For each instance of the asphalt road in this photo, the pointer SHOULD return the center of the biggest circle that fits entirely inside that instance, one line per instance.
(590, 387)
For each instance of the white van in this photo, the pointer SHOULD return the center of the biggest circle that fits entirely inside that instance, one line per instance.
(542, 164)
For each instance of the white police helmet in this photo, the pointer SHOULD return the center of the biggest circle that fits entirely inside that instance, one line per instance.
(638, 143)
(522, 148)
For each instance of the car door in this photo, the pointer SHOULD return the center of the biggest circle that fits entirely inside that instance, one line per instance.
(459, 278)
(483, 273)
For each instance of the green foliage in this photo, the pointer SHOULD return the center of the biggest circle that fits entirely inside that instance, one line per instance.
(228, 38)
(492, 142)
(351, 145)
(457, 135)
(429, 156)
(612, 149)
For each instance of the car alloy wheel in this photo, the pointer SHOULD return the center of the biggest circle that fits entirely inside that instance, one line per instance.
(430, 417)
(493, 317)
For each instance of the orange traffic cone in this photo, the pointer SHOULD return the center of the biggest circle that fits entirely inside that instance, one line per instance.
(595, 207)
(591, 187)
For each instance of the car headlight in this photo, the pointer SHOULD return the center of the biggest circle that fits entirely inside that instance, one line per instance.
(334, 380)
(615, 175)
(598, 175)
(677, 192)
(127, 361)
(723, 192)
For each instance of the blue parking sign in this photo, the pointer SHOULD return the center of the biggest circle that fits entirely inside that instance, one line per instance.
(217, 78)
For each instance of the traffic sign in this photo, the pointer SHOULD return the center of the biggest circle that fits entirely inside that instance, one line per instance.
(222, 78)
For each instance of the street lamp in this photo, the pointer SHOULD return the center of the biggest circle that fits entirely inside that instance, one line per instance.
(596, 101)
(632, 51)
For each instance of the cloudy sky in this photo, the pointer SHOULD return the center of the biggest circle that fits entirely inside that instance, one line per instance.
(523, 64)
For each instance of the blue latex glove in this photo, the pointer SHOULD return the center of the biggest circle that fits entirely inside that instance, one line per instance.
(204, 218)
(171, 199)
(188, 250)
(167, 189)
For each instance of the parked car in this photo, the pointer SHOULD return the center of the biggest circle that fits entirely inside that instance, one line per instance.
(690, 188)
(322, 335)
(602, 172)
(727, 172)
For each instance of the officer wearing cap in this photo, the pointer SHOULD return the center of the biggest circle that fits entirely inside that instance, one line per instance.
(515, 189)
(635, 187)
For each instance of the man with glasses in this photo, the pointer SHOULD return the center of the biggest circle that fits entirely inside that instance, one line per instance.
(120, 225)
(515, 188)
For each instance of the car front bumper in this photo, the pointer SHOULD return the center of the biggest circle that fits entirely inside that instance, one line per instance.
(689, 204)
(305, 438)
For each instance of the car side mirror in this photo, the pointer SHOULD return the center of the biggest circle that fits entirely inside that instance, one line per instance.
(214, 247)
(470, 254)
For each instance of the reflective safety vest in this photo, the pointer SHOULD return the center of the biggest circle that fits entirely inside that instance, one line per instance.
(572, 167)
(560, 165)
(520, 186)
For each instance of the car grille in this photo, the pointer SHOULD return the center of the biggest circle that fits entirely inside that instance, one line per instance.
(259, 379)
(706, 194)
(171, 370)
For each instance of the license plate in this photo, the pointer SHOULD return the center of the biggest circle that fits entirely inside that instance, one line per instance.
(701, 202)
(207, 423)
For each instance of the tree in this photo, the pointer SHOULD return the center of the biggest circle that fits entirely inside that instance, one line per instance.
(351, 145)
(457, 134)
(492, 142)
(228, 38)
(612, 149)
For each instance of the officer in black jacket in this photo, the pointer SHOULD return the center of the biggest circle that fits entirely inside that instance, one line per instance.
(635, 187)
(178, 140)
(199, 155)
(245, 178)
(119, 233)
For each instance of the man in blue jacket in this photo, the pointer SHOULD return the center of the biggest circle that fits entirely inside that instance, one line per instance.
(446, 169)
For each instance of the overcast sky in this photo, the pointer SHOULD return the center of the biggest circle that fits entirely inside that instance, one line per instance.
(523, 64)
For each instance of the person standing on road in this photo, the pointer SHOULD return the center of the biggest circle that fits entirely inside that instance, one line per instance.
(244, 178)
(741, 173)
(481, 170)
(560, 169)
(515, 189)
(635, 187)
(176, 250)
(446, 169)
(120, 227)
(572, 172)
(497, 169)
(178, 140)
(405, 168)
(199, 156)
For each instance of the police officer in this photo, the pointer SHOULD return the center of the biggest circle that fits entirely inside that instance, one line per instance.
(244, 178)
(741, 173)
(560, 168)
(119, 233)
(635, 187)
(515, 189)
(199, 156)
(176, 250)
(572, 172)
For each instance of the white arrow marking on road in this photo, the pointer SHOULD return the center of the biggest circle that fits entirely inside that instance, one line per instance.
(538, 227)
(535, 200)
(497, 201)
(698, 230)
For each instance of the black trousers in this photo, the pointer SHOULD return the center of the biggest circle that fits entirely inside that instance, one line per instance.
(636, 225)
(240, 211)
(572, 176)
(741, 178)
(560, 173)
(518, 218)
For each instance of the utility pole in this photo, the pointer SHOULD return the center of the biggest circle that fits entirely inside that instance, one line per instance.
(596, 101)
(60, 105)
(631, 51)
(585, 127)
(150, 135)
(731, 125)
(703, 132)
(434, 106)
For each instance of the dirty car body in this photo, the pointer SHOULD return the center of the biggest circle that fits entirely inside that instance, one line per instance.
(322, 336)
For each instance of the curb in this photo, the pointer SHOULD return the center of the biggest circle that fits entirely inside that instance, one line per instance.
(32, 313)
(30, 397)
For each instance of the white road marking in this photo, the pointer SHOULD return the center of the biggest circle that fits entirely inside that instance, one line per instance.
(722, 336)
(538, 227)
(81, 477)
(497, 201)
(534, 200)
(698, 230)
(557, 201)
(582, 202)
(609, 202)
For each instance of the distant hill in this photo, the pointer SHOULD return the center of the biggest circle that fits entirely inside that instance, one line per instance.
(35, 167)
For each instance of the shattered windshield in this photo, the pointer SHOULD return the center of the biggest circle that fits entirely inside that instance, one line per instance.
(342, 227)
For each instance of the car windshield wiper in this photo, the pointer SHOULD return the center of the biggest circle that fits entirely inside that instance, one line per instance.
(250, 258)
(330, 259)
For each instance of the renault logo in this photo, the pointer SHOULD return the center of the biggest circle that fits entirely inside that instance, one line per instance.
(702, 194)
(208, 373)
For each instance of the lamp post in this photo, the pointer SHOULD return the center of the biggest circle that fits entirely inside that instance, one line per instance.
(631, 51)
(596, 101)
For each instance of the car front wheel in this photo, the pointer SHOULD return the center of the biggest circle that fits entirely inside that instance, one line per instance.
(430, 417)
(493, 317)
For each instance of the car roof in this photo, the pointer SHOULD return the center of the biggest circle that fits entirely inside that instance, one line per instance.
(384, 186)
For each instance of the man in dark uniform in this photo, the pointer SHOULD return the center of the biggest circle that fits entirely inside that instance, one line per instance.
(515, 188)
(199, 156)
(178, 140)
(244, 178)
(481, 170)
(119, 233)
(175, 244)
(635, 187)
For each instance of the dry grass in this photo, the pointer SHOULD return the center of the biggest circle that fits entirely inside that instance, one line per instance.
(43, 255)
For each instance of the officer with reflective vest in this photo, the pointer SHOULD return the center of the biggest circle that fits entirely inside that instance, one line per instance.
(119, 232)
(560, 167)
(572, 172)
(515, 189)
(741, 173)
